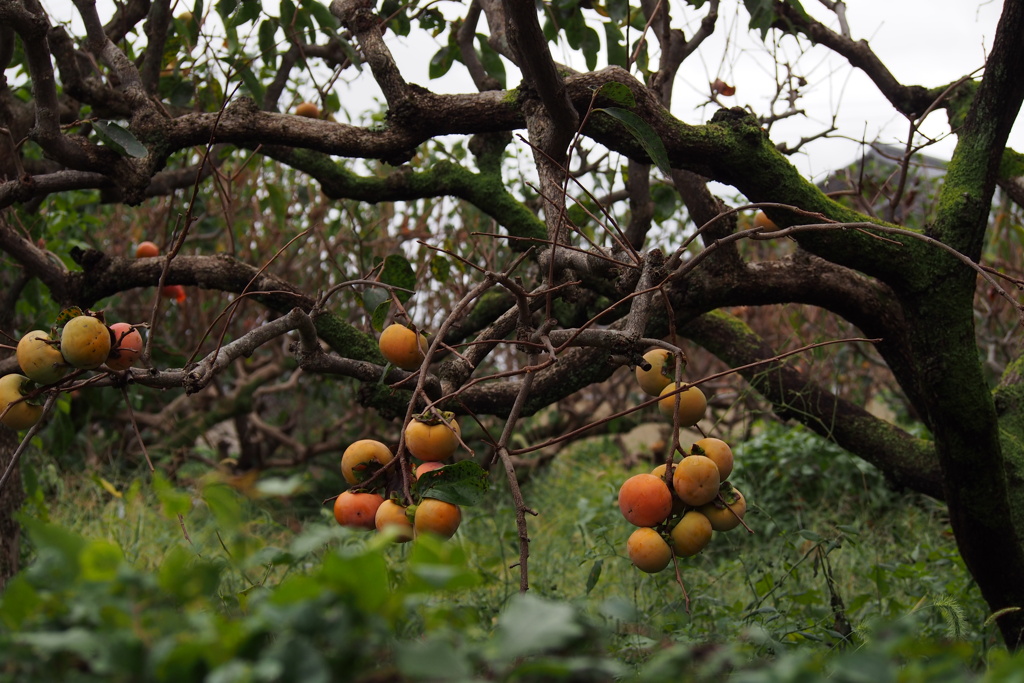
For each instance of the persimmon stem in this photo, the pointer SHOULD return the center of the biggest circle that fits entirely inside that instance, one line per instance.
(679, 580)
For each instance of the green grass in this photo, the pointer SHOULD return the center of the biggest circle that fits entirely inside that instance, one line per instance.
(838, 561)
(824, 524)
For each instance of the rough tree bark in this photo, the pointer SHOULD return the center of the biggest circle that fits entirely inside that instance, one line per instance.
(11, 498)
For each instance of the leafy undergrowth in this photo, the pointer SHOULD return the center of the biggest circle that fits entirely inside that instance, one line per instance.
(215, 581)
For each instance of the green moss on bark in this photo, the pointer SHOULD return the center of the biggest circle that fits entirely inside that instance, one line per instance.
(1012, 165)
(733, 143)
(347, 340)
(486, 191)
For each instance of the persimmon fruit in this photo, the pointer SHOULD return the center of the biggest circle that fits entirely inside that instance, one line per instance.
(308, 110)
(645, 500)
(21, 415)
(391, 515)
(691, 534)
(147, 249)
(437, 517)
(428, 466)
(356, 457)
(127, 346)
(661, 374)
(432, 440)
(696, 480)
(357, 510)
(39, 358)
(719, 451)
(175, 292)
(725, 513)
(692, 404)
(402, 347)
(659, 471)
(85, 342)
(762, 221)
(648, 551)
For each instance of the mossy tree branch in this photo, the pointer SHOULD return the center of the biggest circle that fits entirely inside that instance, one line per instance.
(905, 459)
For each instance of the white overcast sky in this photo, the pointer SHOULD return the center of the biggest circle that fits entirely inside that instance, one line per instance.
(923, 42)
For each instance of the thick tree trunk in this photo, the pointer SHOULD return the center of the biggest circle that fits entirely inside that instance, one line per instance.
(11, 498)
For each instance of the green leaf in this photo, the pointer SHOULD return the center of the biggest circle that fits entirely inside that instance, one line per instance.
(399, 14)
(62, 545)
(294, 654)
(225, 8)
(398, 272)
(186, 576)
(433, 659)
(374, 298)
(577, 215)
(617, 53)
(461, 483)
(224, 503)
(618, 10)
(101, 560)
(574, 27)
(617, 93)
(287, 12)
(268, 42)
(810, 535)
(441, 62)
(181, 93)
(173, 502)
(666, 202)
(280, 486)
(76, 639)
(432, 20)
(249, 11)
(637, 19)
(644, 134)
(322, 15)
(363, 576)
(642, 59)
(594, 575)
(255, 86)
(18, 602)
(763, 15)
(120, 139)
(440, 269)
(491, 61)
(434, 564)
(590, 43)
(350, 53)
(532, 625)
(67, 314)
(380, 314)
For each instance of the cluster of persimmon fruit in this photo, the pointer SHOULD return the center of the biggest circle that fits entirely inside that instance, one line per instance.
(84, 342)
(376, 502)
(677, 507)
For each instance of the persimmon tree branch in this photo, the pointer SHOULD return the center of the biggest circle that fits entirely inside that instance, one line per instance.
(906, 460)
(539, 71)
(465, 37)
(910, 100)
(156, 37)
(358, 17)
